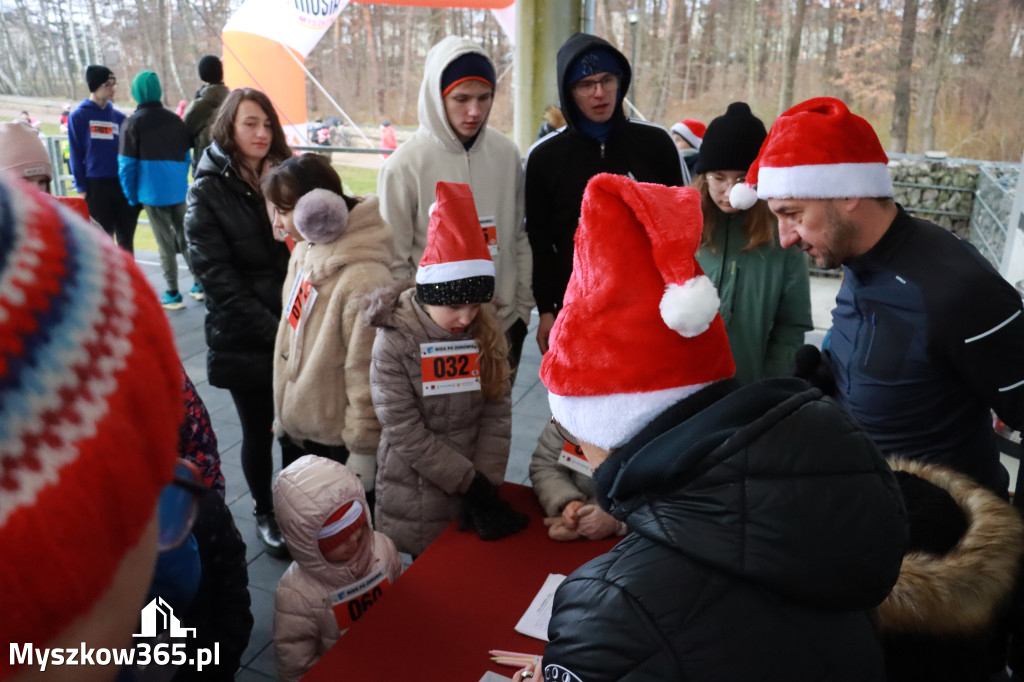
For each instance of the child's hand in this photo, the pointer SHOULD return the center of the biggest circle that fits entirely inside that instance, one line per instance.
(570, 515)
(557, 530)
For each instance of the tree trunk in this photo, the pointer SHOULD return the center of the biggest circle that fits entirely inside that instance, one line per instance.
(371, 52)
(171, 64)
(41, 66)
(76, 58)
(94, 27)
(831, 72)
(901, 104)
(676, 17)
(933, 74)
(751, 50)
(409, 82)
(792, 56)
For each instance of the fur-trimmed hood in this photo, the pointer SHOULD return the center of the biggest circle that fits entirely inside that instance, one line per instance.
(959, 592)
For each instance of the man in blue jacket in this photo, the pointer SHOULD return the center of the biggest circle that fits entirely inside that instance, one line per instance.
(94, 130)
(153, 166)
(927, 337)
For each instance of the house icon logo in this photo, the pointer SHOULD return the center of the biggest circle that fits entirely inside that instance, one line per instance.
(158, 616)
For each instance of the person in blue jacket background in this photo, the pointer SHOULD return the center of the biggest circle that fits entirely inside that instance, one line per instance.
(94, 132)
(152, 163)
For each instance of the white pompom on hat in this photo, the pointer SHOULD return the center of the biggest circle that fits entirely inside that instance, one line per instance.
(321, 216)
(818, 149)
(639, 328)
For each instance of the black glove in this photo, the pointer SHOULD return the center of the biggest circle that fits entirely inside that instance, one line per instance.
(815, 367)
(483, 509)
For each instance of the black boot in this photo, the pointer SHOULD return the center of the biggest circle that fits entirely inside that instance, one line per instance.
(270, 534)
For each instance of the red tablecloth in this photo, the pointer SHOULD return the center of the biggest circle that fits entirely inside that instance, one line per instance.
(460, 598)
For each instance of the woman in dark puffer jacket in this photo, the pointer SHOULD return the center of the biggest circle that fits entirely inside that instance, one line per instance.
(242, 269)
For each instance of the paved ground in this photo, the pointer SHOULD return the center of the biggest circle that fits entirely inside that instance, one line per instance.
(529, 415)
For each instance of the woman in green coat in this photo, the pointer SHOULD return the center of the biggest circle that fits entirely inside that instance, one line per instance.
(764, 288)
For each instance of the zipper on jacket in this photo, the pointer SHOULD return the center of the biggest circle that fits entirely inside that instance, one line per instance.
(602, 150)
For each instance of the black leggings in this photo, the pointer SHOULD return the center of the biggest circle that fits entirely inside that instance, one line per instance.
(108, 205)
(255, 408)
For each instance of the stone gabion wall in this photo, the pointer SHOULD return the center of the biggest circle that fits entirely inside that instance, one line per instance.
(996, 190)
(939, 191)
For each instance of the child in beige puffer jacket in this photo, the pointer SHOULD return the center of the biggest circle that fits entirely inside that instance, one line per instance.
(341, 567)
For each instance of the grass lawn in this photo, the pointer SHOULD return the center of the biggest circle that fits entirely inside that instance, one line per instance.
(355, 180)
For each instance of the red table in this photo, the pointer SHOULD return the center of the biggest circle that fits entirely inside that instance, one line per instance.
(460, 598)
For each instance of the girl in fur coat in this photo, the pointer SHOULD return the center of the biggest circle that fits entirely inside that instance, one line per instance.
(341, 567)
(322, 352)
(439, 381)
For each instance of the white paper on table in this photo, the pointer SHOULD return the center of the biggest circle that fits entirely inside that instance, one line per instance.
(491, 676)
(534, 622)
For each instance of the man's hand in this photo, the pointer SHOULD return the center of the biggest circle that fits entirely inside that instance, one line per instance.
(595, 523)
(547, 321)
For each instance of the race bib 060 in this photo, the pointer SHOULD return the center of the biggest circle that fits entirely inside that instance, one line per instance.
(351, 603)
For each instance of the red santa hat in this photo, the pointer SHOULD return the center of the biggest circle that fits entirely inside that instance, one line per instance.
(690, 130)
(456, 267)
(817, 150)
(639, 329)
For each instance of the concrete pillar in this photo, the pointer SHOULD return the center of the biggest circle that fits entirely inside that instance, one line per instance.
(542, 25)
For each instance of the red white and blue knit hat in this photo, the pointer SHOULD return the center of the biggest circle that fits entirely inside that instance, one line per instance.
(817, 150)
(90, 403)
(639, 328)
(691, 130)
(456, 267)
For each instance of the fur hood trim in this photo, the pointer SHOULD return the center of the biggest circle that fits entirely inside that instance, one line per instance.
(959, 592)
(382, 304)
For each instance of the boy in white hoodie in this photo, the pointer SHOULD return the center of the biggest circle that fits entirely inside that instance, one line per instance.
(455, 144)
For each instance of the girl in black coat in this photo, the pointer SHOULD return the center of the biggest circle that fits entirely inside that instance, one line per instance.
(242, 269)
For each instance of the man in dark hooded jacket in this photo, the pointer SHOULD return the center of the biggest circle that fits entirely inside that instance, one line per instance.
(763, 524)
(593, 78)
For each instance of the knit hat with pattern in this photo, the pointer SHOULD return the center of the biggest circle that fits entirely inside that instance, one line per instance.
(90, 403)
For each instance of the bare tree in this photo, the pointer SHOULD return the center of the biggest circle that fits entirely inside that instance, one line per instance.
(934, 65)
(792, 55)
(901, 93)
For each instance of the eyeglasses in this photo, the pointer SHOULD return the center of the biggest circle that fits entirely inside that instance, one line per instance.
(566, 436)
(587, 86)
(179, 505)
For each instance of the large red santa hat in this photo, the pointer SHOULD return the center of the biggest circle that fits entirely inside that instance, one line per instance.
(456, 267)
(817, 150)
(639, 329)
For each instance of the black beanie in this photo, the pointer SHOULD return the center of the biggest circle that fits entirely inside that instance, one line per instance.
(96, 75)
(732, 141)
(211, 70)
(470, 66)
